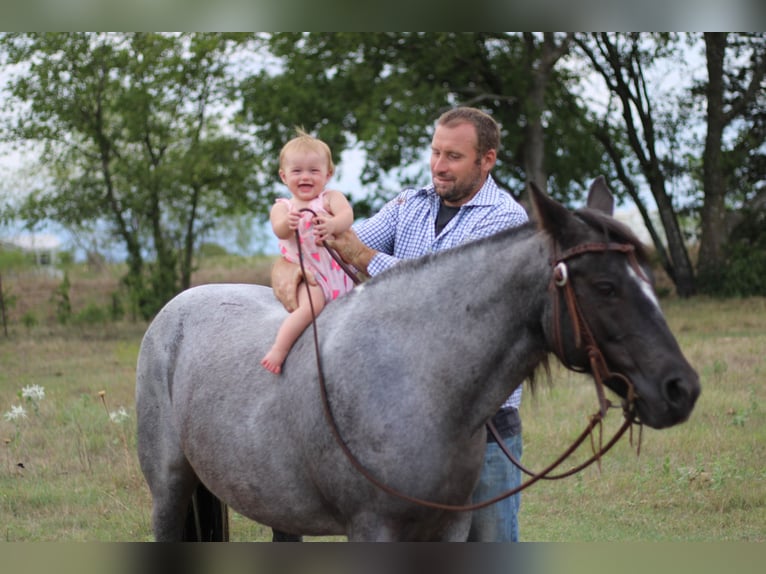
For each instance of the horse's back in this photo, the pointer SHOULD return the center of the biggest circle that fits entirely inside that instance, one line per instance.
(198, 320)
(211, 336)
(208, 410)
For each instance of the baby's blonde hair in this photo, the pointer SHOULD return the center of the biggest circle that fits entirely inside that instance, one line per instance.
(303, 142)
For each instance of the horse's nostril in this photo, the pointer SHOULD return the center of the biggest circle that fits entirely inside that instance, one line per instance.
(676, 392)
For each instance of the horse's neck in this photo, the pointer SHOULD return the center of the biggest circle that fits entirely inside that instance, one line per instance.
(473, 330)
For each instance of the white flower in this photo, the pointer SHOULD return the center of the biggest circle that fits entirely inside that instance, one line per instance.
(119, 415)
(16, 412)
(33, 392)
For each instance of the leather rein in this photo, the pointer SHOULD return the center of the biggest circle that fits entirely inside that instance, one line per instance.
(599, 370)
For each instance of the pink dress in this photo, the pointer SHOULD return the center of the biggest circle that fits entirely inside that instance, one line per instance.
(329, 275)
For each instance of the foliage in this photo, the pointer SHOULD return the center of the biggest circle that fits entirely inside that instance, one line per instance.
(91, 314)
(137, 132)
(61, 298)
(733, 159)
(383, 92)
(13, 259)
(625, 63)
(211, 250)
(29, 320)
(131, 130)
(743, 273)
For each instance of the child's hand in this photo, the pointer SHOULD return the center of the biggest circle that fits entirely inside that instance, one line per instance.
(294, 219)
(324, 227)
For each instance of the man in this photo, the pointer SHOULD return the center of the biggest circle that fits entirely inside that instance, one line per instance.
(462, 203)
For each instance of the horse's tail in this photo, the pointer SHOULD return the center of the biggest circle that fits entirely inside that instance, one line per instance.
(207, 518)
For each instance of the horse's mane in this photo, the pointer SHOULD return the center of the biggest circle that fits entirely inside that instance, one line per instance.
(405, 265)
(613, 230)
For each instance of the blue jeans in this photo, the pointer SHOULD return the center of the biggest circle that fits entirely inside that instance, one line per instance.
(498, 522)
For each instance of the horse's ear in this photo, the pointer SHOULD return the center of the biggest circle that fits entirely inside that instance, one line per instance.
(551, 216)
(599, 196)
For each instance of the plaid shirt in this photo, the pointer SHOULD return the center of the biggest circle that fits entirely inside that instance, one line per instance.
(405, 228)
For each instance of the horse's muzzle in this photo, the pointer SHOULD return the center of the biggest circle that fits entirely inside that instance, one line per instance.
(678, 396)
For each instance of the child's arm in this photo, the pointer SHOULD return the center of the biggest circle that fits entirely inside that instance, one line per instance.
(284, 221)
(341, 215)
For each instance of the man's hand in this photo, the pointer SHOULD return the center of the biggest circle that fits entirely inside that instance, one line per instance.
(285, 278)
(352, 250)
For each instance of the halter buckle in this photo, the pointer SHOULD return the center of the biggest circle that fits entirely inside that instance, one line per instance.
(560, 274)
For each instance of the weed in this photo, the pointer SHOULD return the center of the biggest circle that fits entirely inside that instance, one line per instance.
(29, 320)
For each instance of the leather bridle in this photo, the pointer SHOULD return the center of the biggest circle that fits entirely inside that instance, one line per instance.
(598, 368)
(561, 284)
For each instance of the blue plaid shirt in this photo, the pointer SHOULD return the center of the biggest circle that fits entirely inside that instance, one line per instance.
(405, 228)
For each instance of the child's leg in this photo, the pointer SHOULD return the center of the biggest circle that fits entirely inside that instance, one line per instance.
(292, 327)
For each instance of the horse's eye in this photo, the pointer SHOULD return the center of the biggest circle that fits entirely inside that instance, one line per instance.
(605, 288)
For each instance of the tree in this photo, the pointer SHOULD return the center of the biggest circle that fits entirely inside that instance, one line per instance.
(133, 136)
(383, 91)
(621, 61)
(735, 99)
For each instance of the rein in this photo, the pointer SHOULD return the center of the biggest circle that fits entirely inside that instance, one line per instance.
(334, 254)
(599, 371)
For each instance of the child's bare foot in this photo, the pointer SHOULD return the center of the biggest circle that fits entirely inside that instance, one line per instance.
(274, 359)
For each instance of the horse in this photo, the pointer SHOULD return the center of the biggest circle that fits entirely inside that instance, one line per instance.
(415, 361)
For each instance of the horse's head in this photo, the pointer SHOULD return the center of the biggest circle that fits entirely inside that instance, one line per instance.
(603, 304)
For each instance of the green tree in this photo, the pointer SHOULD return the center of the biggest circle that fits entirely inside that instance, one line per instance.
(734, 161)
(382, 92)
(622, 60)
(133, 133)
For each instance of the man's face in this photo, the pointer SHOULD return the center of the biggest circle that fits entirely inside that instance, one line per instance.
(456, 168)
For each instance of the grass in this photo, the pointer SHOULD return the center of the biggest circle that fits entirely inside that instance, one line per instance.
(702, 481)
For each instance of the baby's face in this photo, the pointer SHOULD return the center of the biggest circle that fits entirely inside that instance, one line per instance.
(305, 174)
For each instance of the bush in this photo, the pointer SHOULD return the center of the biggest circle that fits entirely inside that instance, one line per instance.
(61, 298)
(211, 250)
(744, 272)
(29, 320)
(92, 314)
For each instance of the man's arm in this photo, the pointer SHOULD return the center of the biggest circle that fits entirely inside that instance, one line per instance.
(352, 250)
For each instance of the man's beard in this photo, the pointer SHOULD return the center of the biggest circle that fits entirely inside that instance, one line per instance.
(455, 192)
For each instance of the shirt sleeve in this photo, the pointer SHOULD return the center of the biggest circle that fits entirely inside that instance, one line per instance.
(380, 263)
(379, 233)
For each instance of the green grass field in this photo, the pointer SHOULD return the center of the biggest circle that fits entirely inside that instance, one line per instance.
(69, 470)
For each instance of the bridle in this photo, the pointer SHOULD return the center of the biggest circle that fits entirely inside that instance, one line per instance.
(561, 284)
(583, 337)
(599, 370)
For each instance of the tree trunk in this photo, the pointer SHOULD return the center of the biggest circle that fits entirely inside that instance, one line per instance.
(623, 73)
(540, 68)
(682, 271)
(713, 220)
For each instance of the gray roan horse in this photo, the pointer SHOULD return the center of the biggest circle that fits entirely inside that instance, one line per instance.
(415, 361)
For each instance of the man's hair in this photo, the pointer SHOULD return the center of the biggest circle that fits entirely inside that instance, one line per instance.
(487, 129)
(303, 142)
